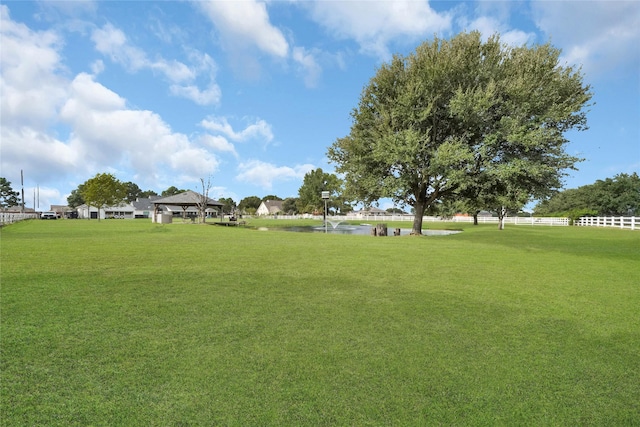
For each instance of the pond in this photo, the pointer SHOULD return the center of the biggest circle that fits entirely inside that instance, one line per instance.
(362, 229)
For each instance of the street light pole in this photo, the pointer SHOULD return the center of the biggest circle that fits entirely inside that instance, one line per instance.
(325, 197)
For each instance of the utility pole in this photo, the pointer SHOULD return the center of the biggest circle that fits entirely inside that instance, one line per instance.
(22, 185)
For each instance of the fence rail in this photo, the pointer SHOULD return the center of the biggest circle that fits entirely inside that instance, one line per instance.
(11, 217)
(550, 221)
(630, 222)
(624, 222)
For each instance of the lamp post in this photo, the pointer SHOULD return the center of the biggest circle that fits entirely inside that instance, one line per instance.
(221, 208)
(325, 197)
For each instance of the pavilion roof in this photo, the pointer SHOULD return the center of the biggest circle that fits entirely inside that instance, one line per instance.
(187, 198)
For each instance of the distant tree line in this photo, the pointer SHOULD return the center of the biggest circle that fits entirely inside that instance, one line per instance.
(619, 195)
(105, 189)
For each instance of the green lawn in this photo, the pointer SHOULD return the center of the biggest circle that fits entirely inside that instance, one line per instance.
(131, 323)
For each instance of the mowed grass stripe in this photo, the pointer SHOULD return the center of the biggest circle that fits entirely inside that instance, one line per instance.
(127, 322)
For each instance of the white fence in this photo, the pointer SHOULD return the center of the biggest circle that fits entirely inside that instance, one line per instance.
(515, 220)
(609, 221)
(468, 219)
(11, 217)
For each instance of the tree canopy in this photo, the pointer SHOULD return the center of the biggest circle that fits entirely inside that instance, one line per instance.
(228, 204)
(619, 195)
(134, 192)
(172, 191)
(249, 204)
(76, 199)
(104, 189)
(463, 119)
(290, 205)
(8, 197)
(310, 193)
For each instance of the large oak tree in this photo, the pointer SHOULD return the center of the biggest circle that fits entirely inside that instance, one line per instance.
(463, 118)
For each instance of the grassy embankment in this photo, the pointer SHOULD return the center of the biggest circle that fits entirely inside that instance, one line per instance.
(131, 323)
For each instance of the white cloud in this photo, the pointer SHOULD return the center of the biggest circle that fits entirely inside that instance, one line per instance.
(105, 132)
(258, 130)
(374, 24)
(113, 43)
(246, 23)
(517, 37)
(43, 157)
(92, 96)
(97, 67)
(601, 35)
(31, 76)
(42, 197)
(33, 87)
(487, 26)
(218, 143)
(210, 95)
(192, 162)
(70, 8)
(264, 174)
(308, 66)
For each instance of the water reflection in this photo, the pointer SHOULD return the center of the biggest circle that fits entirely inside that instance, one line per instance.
(360, 230)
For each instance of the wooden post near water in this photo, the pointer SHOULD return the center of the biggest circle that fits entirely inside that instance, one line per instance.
(381, 229)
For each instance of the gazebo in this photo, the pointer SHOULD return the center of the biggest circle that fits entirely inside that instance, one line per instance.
(184, 200)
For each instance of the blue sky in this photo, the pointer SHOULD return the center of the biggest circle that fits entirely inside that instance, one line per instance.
(252, 93)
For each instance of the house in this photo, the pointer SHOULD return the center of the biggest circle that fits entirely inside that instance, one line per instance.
(122, 211)
(19, 209)
(269, 207)
(368, 212)
(143, 207)
(60, 210)
(179, 205)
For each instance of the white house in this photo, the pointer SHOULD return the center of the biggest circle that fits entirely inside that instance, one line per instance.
(368, 212)
(178, 205)
(92, 212)
(143, 207)
(269, 207)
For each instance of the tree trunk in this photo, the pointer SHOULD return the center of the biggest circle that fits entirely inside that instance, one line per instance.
(417, 219)
(475, 217)
(501, 213)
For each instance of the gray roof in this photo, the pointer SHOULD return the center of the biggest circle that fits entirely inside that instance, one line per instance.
(273, 206)
(188, 198)
(371, 210)
(144, 203)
